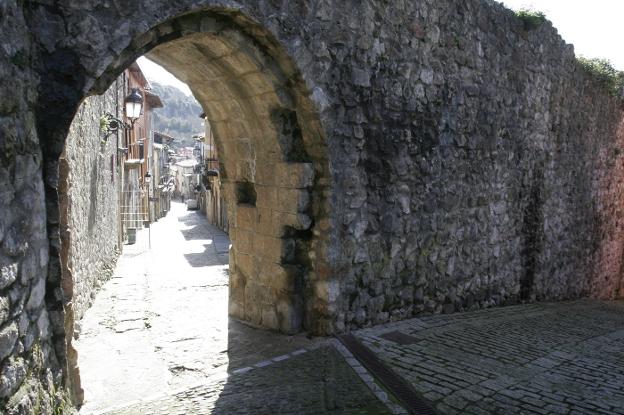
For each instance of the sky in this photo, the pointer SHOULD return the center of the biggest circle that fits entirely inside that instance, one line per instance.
(595, 28)
(156, 73)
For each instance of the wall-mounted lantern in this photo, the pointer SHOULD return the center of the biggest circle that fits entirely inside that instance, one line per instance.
(133, 103)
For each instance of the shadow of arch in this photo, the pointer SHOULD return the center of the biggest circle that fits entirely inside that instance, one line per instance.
(271, 141)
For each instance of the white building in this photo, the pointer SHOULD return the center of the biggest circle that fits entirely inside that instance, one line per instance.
(186, 178)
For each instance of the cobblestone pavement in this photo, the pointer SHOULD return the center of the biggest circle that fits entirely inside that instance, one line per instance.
(314, 382)
(160, 324)
(562, 358)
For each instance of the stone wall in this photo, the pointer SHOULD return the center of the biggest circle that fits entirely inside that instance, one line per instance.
(473, 162)
(90, 180)
(460, 161)
(89, 221)
(481, 166)
(30, 373)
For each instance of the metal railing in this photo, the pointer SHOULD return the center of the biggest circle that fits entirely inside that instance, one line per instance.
(134, 212)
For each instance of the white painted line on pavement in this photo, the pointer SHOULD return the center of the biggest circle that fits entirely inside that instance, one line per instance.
(242, 370)
(264, 363)
(209, 379)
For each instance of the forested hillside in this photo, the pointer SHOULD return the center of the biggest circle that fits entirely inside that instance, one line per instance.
(179, 117)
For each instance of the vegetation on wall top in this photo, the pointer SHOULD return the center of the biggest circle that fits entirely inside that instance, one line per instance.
(600, 69)
(531, 19)
(605, 74)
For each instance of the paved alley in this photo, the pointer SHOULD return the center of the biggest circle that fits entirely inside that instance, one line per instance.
(160, 326)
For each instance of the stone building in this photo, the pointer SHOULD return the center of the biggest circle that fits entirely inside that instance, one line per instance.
(378, 159)
(89, 191)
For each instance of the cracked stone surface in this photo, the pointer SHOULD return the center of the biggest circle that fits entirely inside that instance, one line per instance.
(160, 323)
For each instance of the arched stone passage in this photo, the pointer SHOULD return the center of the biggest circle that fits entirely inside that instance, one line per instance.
(275, 168)
(274, 159)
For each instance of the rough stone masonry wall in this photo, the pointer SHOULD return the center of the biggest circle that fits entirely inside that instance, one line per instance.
(472, 162)
(89, 201)
(88, 189)
(466, 152)
(29, 371)
(484, 165)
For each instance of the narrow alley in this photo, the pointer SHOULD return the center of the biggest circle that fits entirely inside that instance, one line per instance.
(159, 327)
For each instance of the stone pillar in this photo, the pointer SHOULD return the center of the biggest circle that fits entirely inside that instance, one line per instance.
(266, 277)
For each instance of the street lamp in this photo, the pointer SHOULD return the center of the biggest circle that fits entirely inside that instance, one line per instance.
(133, 103)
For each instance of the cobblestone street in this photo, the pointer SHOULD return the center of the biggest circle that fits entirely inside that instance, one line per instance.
(160, 326)
(560, 358)
(315, 382)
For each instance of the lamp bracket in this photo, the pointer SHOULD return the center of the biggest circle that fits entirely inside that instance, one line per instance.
(110, 125)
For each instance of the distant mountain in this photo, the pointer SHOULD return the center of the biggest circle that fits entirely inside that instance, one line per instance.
(179, 116)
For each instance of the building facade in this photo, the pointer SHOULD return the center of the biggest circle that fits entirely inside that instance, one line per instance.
(186, 179)
(137, 145)
(211, 200)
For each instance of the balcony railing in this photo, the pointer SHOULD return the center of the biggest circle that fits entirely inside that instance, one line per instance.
(136, 151)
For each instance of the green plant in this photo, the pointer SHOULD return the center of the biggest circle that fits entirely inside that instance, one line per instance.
(604, 73)
(104, 122)
(531, 19)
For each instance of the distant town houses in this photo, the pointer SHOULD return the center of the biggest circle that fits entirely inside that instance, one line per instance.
(138, 186)
(197, 177)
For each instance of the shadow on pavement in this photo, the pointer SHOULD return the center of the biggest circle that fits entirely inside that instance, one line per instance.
(271, 373)
(202, 259)
(192, 233)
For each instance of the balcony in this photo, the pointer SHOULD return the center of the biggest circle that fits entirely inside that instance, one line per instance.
(135, 155)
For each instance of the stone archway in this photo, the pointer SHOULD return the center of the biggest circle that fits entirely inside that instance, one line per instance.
(430, 114)
(274, 159)
(275, 167)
